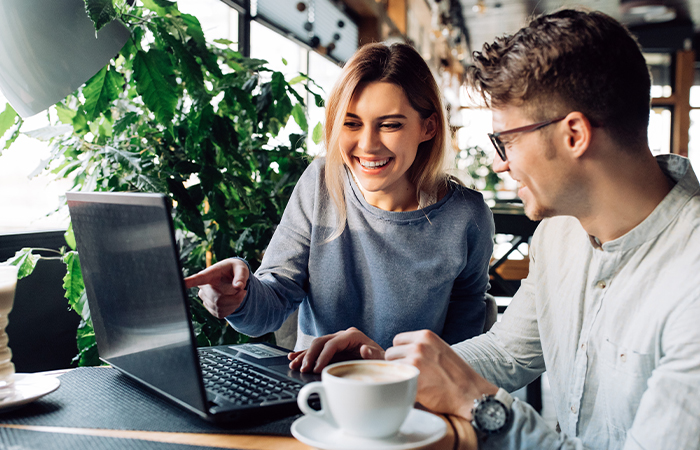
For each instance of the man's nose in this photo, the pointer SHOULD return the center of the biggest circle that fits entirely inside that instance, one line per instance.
(499, 165)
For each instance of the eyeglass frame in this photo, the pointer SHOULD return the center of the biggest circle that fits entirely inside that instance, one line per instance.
(501, 148)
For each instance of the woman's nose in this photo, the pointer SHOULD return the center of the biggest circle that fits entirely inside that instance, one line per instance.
(369, 139)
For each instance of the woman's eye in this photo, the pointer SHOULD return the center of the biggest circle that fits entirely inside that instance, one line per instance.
(392, 125)
(351, 124)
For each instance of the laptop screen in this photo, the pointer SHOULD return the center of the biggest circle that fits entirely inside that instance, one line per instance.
(133, 281)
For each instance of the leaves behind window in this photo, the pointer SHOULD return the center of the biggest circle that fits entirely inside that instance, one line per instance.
(175, 114)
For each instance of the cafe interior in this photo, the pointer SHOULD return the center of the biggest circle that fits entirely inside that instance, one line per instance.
(315, 38)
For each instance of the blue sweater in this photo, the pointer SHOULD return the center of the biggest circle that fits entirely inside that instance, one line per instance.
(389, 272)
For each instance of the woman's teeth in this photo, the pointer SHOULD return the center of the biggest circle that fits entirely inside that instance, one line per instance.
(374, 164)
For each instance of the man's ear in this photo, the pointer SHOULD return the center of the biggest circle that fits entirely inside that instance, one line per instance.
(577, 133)
(429, 128)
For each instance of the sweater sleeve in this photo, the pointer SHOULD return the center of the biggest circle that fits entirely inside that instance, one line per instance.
(466, 310)
(281, 282)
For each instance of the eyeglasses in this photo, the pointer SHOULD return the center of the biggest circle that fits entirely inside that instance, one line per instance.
(501, 148)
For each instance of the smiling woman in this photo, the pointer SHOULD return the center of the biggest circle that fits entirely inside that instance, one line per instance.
(376, 235)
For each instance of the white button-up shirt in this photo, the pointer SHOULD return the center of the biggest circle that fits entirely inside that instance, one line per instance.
(617, 327)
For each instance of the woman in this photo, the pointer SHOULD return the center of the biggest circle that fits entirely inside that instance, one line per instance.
(376, 235)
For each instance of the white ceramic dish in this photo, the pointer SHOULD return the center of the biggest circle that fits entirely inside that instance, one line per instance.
(29, 387)
(421, 428)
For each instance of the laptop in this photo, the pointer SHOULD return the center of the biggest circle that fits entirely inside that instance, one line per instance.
(141, 316)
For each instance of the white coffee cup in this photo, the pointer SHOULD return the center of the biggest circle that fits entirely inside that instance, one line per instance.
(366, 398)
(8, 284)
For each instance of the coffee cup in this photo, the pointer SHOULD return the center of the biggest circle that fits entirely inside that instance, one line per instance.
(367, 398)
(8, 283)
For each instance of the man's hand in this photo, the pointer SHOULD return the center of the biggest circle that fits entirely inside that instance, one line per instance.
(446, 383)
(348, 344)
(222, 286)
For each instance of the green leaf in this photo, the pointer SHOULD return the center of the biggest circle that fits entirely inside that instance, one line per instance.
(7, 119)
(161, 7)
(73, 282)
(100, 91)
(297, 79)
(70, 236)
(155, 82)
(300, 117)
(65, 114)
(317, 135)
(277, 84)
(223, 41)
(80, 124)
(25, 260)
(101, 12)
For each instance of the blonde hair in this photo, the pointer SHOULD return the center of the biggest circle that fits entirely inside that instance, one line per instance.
(401, 65)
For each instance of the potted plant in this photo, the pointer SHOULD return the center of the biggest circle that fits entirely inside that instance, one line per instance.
(175, 114)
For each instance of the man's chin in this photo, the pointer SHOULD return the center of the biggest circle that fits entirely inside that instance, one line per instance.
(537, 213)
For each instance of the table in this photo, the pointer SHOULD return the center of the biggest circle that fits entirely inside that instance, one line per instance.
(460, 435)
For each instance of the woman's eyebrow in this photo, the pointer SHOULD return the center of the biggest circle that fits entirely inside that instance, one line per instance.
(388, 116)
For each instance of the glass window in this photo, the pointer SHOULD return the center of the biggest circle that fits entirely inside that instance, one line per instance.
(324, 73)
(661, 68)
(694, 139)
(659, 131)
(218, 20)
(28, 203)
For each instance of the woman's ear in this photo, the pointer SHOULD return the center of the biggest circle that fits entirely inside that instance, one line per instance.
(429, 128)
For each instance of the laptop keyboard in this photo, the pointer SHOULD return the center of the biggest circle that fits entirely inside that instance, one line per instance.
(242, 383)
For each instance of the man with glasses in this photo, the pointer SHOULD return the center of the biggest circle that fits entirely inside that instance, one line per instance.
(611, 306)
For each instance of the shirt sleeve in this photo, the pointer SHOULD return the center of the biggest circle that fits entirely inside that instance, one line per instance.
(281, 282)
(465, 312)
(510, 354)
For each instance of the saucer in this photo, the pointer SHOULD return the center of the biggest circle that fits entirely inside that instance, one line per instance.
(29, 387)
(420, 429)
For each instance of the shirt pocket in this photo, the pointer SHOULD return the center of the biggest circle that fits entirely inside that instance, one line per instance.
(624, 381)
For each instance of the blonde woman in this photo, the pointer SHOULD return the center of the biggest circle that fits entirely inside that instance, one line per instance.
(376, 235)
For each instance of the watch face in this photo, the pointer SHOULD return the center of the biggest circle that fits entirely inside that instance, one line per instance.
(491, 415)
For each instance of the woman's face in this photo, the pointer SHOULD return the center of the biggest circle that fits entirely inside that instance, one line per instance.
(379, 141)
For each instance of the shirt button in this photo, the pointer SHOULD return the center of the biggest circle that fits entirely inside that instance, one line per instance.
(601, 284)
(583, 346)
(623, 357)
(573, 410)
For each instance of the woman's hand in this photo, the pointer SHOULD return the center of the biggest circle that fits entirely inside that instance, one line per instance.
(343, 345)
(222, 286)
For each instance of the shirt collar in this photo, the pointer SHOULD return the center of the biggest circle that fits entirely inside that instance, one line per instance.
(679, 170)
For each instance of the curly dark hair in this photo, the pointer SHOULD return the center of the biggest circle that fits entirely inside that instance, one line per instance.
(570, 60)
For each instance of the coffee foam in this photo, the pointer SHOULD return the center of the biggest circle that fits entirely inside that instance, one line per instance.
(372, 373)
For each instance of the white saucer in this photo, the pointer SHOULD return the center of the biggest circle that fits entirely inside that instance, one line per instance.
(29, 387)
(420, 429)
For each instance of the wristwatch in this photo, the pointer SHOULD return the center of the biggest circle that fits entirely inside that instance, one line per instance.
(491, 413)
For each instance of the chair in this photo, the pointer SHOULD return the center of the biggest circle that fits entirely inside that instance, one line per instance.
(491, 312)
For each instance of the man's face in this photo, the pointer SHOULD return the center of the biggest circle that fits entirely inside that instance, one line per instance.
(535, 162)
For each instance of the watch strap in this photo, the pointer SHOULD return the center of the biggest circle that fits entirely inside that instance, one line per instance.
(504, 397)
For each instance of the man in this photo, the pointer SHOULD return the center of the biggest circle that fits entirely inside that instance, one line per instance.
(611, 306)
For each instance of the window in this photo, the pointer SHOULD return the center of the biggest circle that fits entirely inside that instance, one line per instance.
(694, 130)
(26, 204)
